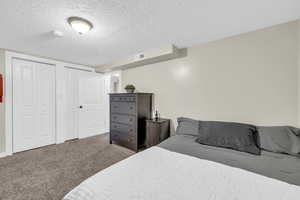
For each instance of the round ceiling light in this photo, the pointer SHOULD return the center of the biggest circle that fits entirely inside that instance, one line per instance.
(80, 25)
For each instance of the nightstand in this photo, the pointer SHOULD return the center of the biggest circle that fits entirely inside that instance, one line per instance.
(157, 131)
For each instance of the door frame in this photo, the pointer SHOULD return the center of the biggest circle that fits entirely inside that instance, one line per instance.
(59, 89)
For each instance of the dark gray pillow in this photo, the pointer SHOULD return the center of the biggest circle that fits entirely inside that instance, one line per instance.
(237, 136)
(187, 126)
(280, 139)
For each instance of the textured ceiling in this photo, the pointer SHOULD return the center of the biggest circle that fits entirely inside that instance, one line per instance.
(125, 27)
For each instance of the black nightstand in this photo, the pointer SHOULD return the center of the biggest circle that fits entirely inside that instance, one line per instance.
(157, 131)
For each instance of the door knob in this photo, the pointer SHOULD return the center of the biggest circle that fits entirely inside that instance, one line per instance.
(80, 107)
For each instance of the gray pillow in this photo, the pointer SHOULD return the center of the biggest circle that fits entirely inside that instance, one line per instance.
(237, 136)
(280, 139)
(187, 126)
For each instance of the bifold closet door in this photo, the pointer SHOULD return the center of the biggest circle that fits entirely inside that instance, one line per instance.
(33, 105)
(91, 104)
(85, 104)
(72, 104)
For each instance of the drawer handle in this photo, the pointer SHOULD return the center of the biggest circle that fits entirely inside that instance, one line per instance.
(130, 130)
(130, 119)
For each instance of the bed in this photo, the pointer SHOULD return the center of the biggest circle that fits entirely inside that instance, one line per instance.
(274, 165)
(181, 168)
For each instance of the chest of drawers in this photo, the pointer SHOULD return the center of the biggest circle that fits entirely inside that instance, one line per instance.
(128, 114)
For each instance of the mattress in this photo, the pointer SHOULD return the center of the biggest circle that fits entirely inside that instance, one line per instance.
(278, 166)
(160, 174)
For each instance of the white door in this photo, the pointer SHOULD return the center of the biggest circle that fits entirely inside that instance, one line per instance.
(72, 105)
(33, 105)
(91, 104)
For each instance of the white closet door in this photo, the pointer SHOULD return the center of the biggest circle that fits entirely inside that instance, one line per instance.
(33, 105)
(72, 105)
(91, 102)
(24, 105)
(46, 104)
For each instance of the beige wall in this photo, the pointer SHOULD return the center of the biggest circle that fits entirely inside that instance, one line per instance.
(2, 113)
(248, 78)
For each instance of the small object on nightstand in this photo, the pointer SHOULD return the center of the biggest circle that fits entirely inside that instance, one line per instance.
(157, 131)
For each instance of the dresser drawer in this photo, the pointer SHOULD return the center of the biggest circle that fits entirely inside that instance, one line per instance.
(124, 119)
(124, 140)
(123, 98)
(118, 136)
(123, 108)
(124, 129)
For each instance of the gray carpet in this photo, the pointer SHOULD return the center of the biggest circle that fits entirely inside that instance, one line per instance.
(50, 172)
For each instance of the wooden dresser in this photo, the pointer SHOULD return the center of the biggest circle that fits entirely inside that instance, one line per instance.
(128, 115)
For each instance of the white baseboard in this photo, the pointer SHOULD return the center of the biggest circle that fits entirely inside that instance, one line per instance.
(3, 154)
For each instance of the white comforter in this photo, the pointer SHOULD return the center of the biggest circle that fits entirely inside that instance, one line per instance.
(159, 174)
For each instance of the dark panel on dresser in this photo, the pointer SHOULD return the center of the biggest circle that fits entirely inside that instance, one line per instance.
(128, 114)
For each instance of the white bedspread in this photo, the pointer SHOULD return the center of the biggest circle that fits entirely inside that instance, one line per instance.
(159, 174)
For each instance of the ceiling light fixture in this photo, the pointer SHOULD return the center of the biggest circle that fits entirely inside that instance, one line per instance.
(80, 25)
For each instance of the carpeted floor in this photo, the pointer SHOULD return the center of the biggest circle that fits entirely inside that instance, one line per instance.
(50, 172)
